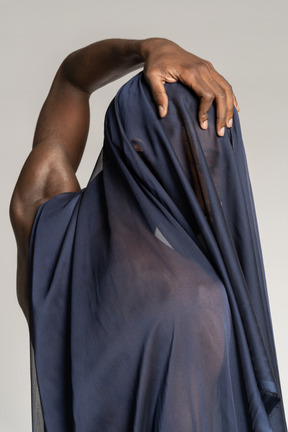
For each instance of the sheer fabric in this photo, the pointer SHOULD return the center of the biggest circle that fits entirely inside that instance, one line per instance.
(149, 309)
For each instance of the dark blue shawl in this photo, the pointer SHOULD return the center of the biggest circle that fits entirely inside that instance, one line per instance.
(149, 308)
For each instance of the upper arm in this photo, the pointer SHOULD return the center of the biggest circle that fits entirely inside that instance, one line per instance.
(50, 168)
(58, 145)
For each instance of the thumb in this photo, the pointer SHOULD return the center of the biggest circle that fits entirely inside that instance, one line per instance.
(159, 94)
(161, 100)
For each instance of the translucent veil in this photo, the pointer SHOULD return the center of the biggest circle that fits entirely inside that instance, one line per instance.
(149, 309)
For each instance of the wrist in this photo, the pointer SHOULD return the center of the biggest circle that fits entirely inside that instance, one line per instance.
(146, 46)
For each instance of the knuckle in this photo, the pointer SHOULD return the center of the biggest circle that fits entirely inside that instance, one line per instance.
(221, 95)
(229, 88)
(203, 67)
(209, 96)
(221, 118)
(209, 64)
(158, 94)
(203, 115)
(189, 71)
(151, 73)
(152, 70)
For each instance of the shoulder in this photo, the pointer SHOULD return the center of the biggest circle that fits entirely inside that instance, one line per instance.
(46, 173)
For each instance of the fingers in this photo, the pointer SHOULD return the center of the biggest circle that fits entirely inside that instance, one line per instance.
(224, 103)
(221, 109)
(224, 108)
(156, 83)
(206, 82)
(206, 98)
(210, 86)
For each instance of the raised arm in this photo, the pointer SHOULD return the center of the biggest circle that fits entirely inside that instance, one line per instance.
(63, 123)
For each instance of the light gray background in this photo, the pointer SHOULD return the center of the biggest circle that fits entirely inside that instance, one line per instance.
(245, 40)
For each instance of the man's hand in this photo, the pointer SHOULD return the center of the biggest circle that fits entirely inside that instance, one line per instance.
(167, 62)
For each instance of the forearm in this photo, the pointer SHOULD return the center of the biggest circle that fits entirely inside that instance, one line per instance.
(102, 62)
(64, 118)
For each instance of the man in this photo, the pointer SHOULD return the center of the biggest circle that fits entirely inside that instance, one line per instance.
(148, 300)
(63, 124)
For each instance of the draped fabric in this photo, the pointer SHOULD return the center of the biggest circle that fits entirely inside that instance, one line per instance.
(149, 309)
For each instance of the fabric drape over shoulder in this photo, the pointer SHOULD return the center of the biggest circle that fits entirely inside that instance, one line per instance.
(149, 308)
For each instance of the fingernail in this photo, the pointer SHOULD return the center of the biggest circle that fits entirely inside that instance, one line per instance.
(230, 122)
(161, 110)
(222, 131)
(205, 124)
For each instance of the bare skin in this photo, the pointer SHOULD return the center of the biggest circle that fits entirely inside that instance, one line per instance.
(63, 123)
